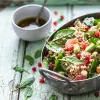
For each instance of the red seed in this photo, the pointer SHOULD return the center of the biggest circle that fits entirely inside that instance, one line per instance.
(78, 56)
(55, 12)
(61, 17)
(87, 58)
(87, 28)
(34, 69)
(54, 29)
(51, 66)
(55, 23)
(41, 80)
(96, 94)
(39, 64)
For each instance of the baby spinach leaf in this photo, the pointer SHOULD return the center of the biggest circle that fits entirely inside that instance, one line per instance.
(89, 21)
(94, 64)
(29, 59)
(20, 69)
(28, 92)
(53, 97)
(71, 59)
(53, 47)
(93, 40)
(38, 53)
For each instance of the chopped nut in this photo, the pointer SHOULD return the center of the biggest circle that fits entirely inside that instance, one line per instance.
(84, 73)
(98, 69)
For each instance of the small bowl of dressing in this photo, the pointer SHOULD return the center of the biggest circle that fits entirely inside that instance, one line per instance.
(23, 19)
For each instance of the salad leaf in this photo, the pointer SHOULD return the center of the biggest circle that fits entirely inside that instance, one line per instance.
(96, 21)
(71, 59)
(45, 62)
(53, 47)
(28, 92)
(91, 75)
(93, 40)
(94, 64)
(89, 21)
(61, 36)
(53, 97)
(38, 53)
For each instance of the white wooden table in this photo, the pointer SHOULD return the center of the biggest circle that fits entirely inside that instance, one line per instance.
(13, 50)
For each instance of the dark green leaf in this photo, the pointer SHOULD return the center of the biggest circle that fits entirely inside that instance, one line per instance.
(20, 69)
(53, 47)
(71, 59)
(96, 21)
(94, 64)
(25, 83)
(38, 53)
(28, 92)
(53, 97)
(93, 40)
(29, 59)
(92, 75)
(89, 21)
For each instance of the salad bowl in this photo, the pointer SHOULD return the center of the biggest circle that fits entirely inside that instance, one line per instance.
(63, 83)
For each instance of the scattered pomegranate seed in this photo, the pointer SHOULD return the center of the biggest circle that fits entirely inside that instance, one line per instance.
(96, 94)
(41, 80)
(87, 28)
(78, 56)
(61, 17)
(34, 69)
(55, 12)
(55, 23)
(39, 64)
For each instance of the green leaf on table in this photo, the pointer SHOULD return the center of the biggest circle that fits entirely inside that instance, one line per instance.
(25, 83)
(53, 97)
(29, 59)
(54, 47)
(71, 59)
(94, 65)
(38, 53)
(20, 69)
(61, 36)
(93, 40)
(28, 92)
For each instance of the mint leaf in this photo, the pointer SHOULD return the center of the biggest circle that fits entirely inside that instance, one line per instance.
(53, 97)
(29, 59)
(28, 92)
(38, 53)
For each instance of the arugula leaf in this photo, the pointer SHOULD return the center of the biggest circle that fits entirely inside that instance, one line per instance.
(94, 64)
(61, 36)
(53, 47)
(29, 59)
(71, 59)
(89, 21)
(20, 69)
(53, 97)
(28, 92)
(93, 40)
(38, 53)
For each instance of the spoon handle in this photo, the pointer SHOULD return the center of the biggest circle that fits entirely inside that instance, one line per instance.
(41, 10)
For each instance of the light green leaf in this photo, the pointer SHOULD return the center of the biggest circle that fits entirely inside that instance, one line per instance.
(38, 53)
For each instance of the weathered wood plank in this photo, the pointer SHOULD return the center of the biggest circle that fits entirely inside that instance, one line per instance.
(78, 11)
(9, 48)
(42, 91)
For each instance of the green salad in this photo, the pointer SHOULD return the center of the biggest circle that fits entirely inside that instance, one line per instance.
(75, 51)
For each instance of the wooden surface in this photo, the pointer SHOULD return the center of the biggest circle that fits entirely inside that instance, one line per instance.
(13, 50)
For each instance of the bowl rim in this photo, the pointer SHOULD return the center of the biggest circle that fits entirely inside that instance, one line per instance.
(30, 5)
(97, 14)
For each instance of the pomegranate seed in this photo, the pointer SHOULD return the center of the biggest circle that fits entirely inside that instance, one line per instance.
(61, 17)
(87, 58)
(51, 66)
(87, 28)
(96, 94)
(55, 23)
(42, 80)
(55, 12)
(78, 56)
(89, 37)
(39, 64)
(34, 69)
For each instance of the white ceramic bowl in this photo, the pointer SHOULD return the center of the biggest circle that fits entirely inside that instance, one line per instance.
(30, 11)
